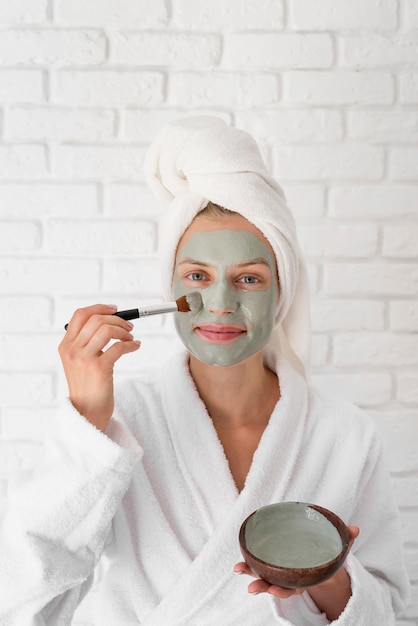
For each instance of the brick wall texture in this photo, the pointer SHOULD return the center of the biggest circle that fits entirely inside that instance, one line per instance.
(330, 91)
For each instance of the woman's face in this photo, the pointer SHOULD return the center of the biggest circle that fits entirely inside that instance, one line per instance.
(233, 267)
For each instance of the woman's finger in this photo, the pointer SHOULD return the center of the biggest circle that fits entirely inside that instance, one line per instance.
(242, 568)
(354, 532)
(261, 586)
(118, 349)
(104, 334)
(81, 317)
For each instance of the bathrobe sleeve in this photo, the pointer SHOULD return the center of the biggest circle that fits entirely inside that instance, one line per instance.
(57, 520)
(379, 580)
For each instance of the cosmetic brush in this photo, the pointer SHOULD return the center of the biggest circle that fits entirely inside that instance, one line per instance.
(192, 302)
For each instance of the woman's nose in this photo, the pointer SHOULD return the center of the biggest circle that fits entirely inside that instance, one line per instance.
(220, 298)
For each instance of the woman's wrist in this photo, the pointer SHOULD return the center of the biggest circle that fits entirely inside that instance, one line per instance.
(332, 596)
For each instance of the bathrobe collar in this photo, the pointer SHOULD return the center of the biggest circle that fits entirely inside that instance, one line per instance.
(202, 461)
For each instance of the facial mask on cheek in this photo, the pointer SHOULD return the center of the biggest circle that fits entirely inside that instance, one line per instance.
(246, 315)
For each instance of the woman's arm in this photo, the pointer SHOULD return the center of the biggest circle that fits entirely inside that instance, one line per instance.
(375, 569)
(333, 595)
(58, 518)
(88, 366)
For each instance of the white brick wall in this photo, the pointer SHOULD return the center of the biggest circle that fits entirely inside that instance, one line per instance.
(330, 91)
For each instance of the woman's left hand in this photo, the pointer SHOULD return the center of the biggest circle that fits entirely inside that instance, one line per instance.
(261, 586)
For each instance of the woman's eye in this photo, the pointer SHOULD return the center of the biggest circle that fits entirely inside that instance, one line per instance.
(249, 280)
(195, 276)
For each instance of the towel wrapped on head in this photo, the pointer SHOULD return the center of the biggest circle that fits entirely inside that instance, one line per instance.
(197, 160)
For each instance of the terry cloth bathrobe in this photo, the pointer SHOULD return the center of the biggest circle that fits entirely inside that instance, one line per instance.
(154, 497)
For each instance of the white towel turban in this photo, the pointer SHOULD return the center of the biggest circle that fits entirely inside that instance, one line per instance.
(200, 159)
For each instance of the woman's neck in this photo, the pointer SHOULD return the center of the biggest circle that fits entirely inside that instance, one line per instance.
(238, 395)
(240, 400)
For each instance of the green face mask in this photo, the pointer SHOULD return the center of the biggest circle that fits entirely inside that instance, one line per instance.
(235, 273)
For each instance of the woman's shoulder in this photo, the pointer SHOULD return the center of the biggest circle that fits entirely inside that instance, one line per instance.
(342, 419)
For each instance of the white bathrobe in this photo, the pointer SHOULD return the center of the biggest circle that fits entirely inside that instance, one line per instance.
(154, 497)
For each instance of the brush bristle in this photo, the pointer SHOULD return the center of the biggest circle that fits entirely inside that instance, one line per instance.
(191, 302)
(183, 305)
(195, 301)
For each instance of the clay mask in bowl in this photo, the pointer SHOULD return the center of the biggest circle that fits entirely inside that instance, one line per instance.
(294, 544)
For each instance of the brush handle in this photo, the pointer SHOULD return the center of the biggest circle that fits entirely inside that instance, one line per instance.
(129, 314)
(151, 309)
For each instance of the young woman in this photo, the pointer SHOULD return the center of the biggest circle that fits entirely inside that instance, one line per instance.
(153, 479)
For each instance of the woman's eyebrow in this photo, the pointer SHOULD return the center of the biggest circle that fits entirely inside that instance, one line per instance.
(259, 261)
(189, 261)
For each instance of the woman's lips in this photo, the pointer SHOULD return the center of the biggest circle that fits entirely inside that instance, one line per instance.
(219, 332)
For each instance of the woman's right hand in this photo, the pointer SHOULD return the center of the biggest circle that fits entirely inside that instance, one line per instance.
(88, 368)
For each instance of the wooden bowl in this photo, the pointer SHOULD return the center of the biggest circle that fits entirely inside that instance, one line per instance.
(294, 544)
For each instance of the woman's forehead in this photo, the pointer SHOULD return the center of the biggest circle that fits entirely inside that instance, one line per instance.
(235, 222)
(225, 247)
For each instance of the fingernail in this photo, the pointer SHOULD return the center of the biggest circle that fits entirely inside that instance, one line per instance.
(113, 306)
(138, 343)
(130, 325)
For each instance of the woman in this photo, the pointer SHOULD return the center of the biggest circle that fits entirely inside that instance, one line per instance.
(156, 477)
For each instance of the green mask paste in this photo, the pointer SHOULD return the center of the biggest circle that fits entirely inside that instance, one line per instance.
(238, 312)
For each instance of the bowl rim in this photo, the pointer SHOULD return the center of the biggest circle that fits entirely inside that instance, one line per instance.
(327, 513)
